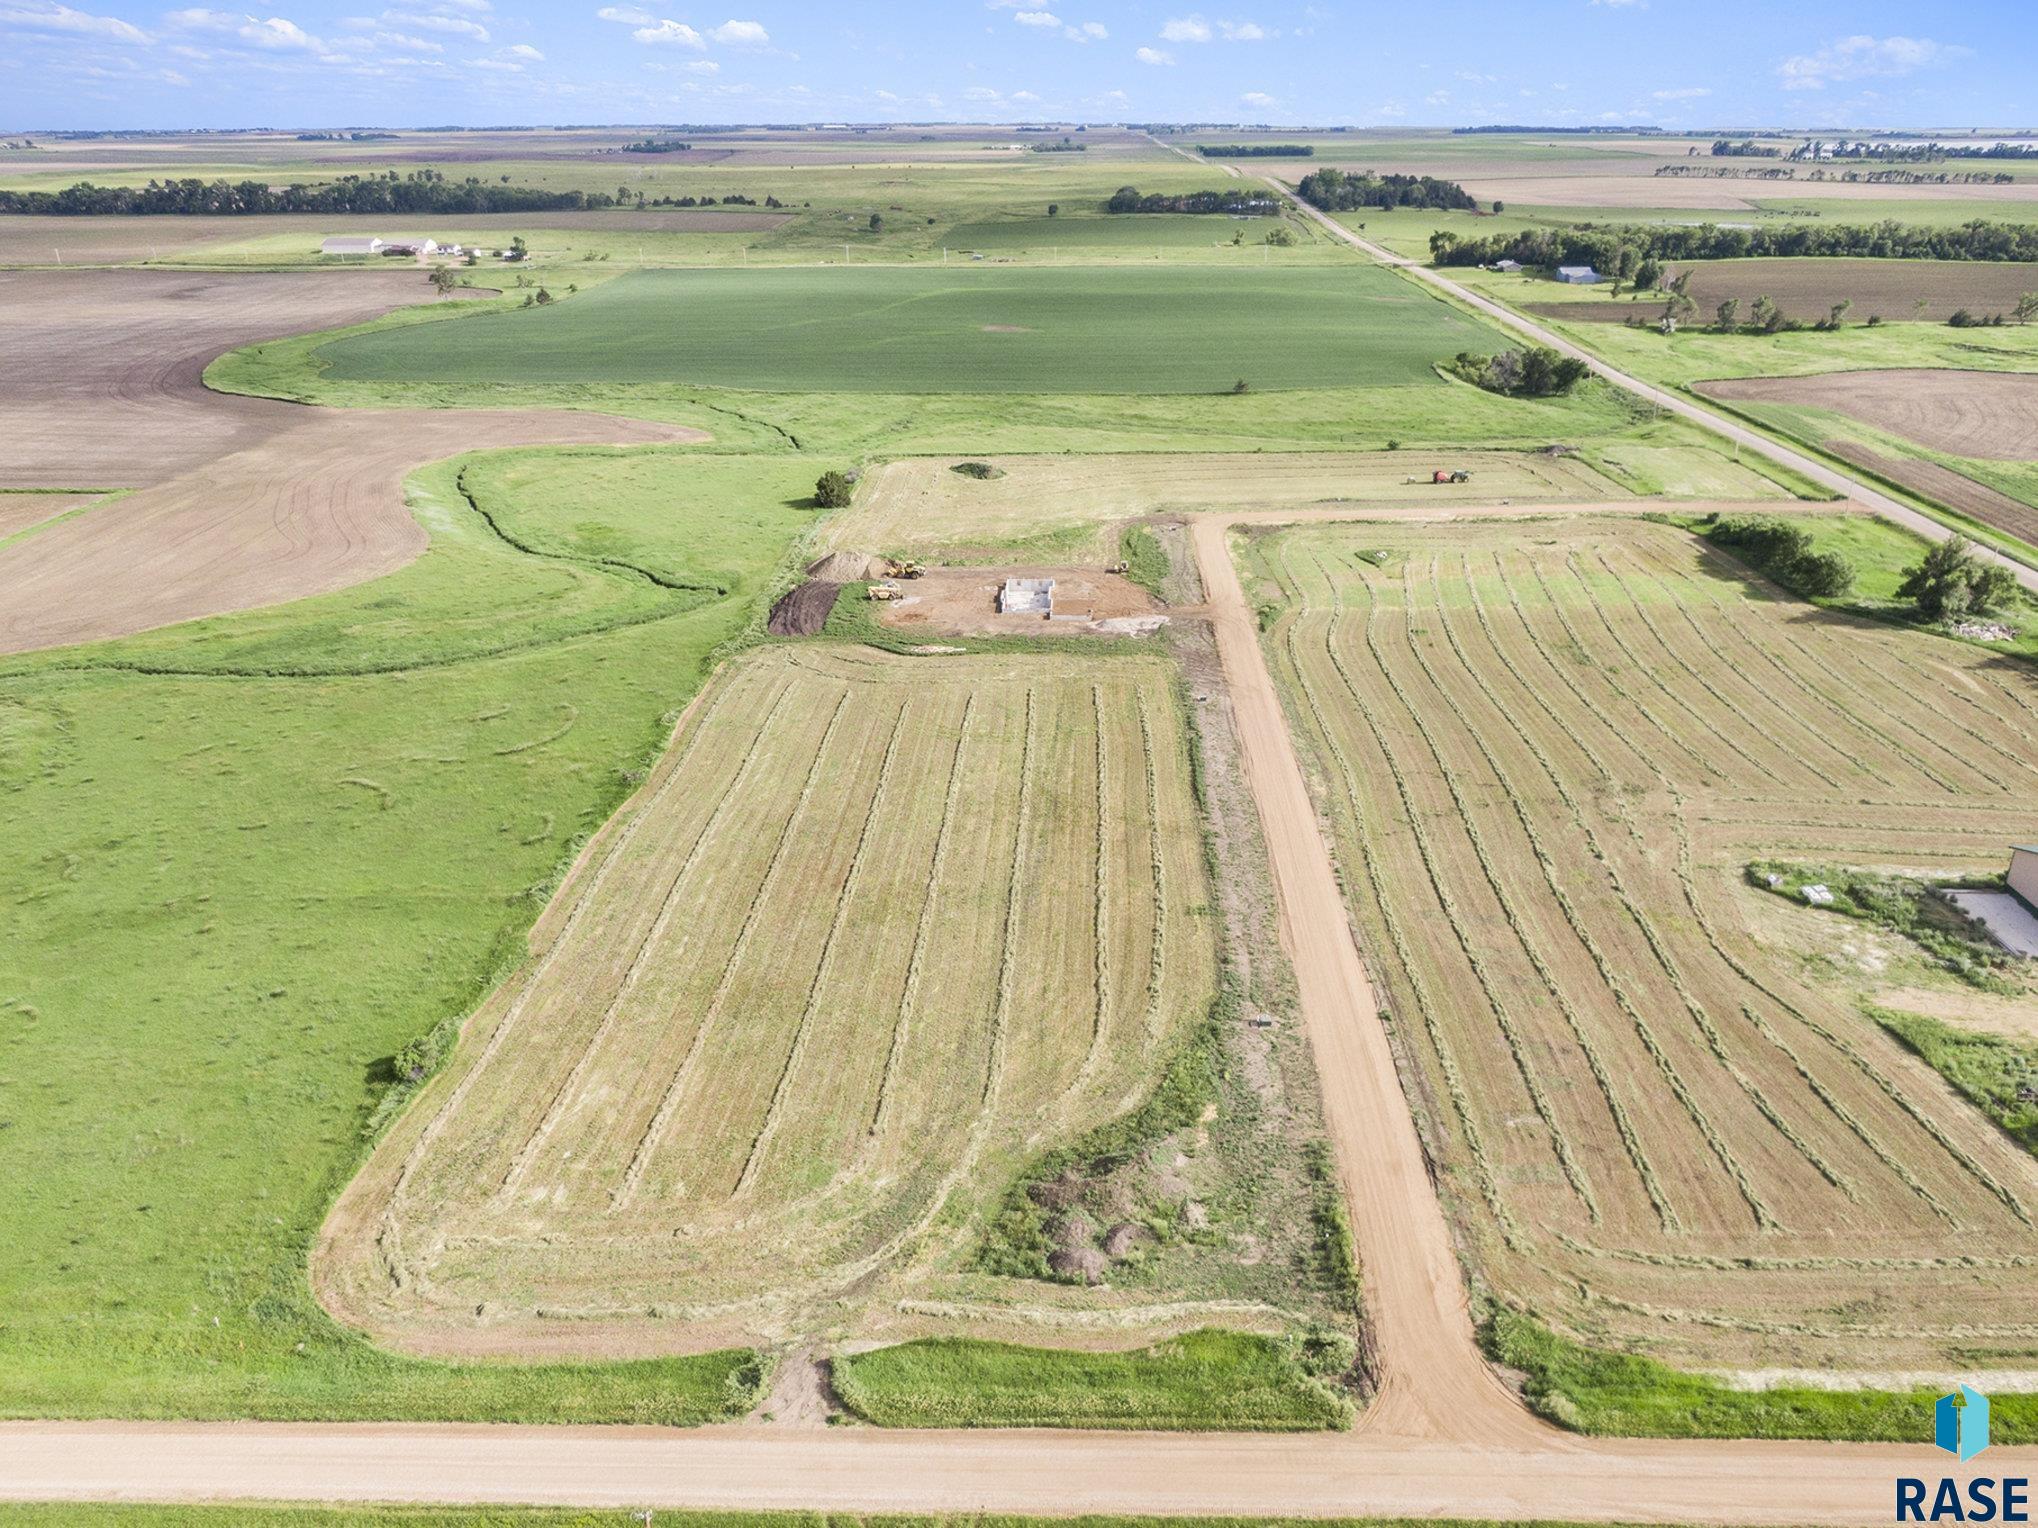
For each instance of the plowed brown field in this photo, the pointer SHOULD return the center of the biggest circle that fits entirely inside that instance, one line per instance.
(1547, 750)
(242, 501)
(1807, 289)
(1988, 415)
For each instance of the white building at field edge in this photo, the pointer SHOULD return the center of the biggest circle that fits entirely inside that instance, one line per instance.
(1577, 275)
(2023, 876)
(357, 246)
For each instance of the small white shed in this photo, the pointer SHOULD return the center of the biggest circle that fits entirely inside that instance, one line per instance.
(1577, 275)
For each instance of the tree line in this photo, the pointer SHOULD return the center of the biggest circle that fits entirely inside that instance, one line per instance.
(1335, 190)
(424, 191)
(1240, 202)
(1601, 244)
(1256, 150)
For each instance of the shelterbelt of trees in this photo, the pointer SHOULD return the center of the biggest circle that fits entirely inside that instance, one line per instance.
(421, 191)
(1600, 244)
(1337, 190)
(1244, 201)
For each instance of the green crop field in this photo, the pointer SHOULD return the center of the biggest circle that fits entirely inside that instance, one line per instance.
(958, 329)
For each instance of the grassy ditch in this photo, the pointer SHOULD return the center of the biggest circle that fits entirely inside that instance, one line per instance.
(2000, 1076)
(1623, 1395)
(1236, 1381)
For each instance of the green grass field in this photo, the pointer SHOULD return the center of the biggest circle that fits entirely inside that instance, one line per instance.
(963, 329)
(228, 899)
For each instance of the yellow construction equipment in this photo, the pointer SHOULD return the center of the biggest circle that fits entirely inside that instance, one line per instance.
(906, 569)
(887, 590)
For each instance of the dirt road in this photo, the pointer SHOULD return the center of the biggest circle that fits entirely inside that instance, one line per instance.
(1445, 1437)
(1797, 461)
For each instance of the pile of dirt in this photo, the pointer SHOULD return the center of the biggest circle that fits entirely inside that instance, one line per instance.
(802, 612)
(846, 567)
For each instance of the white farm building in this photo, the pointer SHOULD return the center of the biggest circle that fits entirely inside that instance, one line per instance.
(351, 246)
(2023, 876)
(1577, 275)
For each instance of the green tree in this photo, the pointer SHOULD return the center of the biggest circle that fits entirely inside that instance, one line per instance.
(519, 250)
(442, 279)
(877, 222)
(1729, 315)
(2026, 308)
(1499, 207)
(1838, 311)
(1647, 274)
(832, 490)
(1280, 237)
(543, 298)
(1767, 316)
(1054, 209)
(1951, 581)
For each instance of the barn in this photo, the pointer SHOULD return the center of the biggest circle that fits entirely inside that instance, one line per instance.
(1577, 275)
(351, 246)
(2023, 876)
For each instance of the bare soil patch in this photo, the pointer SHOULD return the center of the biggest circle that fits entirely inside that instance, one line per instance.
(1988, 415)
(20, 511)
(964, 602)
(1990, 506)
(101, 372)
(1808, 289)
(803, 611)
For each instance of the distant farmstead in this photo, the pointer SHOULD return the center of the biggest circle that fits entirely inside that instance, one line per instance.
(1577, 275)
(351, 246)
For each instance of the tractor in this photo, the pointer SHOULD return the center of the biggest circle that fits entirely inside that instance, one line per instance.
(1459, 476)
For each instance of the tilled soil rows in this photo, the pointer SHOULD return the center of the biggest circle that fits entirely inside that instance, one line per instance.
(1548, 750)
(1988, 415)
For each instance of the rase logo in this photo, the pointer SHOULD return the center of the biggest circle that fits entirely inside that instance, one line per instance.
(1960, 1427)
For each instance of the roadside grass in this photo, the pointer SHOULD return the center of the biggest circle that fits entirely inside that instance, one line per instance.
(1146, 561)
(1902, 904)
(300, 875)
(1998, 1075)
(1625, 1395)
(975, 329)
(1236, 1381)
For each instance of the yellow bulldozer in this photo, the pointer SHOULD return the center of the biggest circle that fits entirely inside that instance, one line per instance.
(884, 590)
(904, 569)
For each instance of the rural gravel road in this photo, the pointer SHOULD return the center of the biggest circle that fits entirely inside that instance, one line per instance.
(1445, 1436)
(1841, 483)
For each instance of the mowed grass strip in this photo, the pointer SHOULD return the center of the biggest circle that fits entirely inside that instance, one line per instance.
(1236, 1381)
(954, 329)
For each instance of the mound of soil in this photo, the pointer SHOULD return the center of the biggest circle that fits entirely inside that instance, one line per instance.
(845, 567)
(802, 612)
(1082, 1265)
(1123, 1238)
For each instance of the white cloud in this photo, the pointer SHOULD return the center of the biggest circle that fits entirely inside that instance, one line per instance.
(524, 50)
(1437, 98)
(703, 66)
(1258, 98)
(506, 65)
(675, 32)
(1089, 31)
(1682, 93)
(430, 21)
(742, 34)
(1242, 31)
(1154, 56)
(1023, 97)
(1036, 18)
(628, 15)
(406, 42)
(1185, 29)
(61, 18)
(277, 34)
(1863, 57)
(981, 93)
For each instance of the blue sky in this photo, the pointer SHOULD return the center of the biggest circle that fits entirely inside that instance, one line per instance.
(312, 63)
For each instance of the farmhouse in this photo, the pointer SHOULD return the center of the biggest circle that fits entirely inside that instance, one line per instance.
(1577, 275)
(350, 246)
(1027, 596)
(1507, 265)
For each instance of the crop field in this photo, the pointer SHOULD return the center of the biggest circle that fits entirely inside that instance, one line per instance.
(1069, 506)
(1807, 289)
(876, 926)
(957, 329)
(1992, 415)
(1548, 753)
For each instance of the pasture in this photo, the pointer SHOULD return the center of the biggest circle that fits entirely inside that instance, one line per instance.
(877, 929)
(312, 833)
(1548, 752)
(959, 329)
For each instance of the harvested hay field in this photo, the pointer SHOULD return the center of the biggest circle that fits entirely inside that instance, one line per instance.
(1548, 752)
(102, 372)
(317, 505)
(1808, 289)
(1978, 501)
(1070, 505)
(800, 1011)
(1986, 415)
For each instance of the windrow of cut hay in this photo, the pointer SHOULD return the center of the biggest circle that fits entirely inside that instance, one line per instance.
(877, 928)
(1548, 752)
